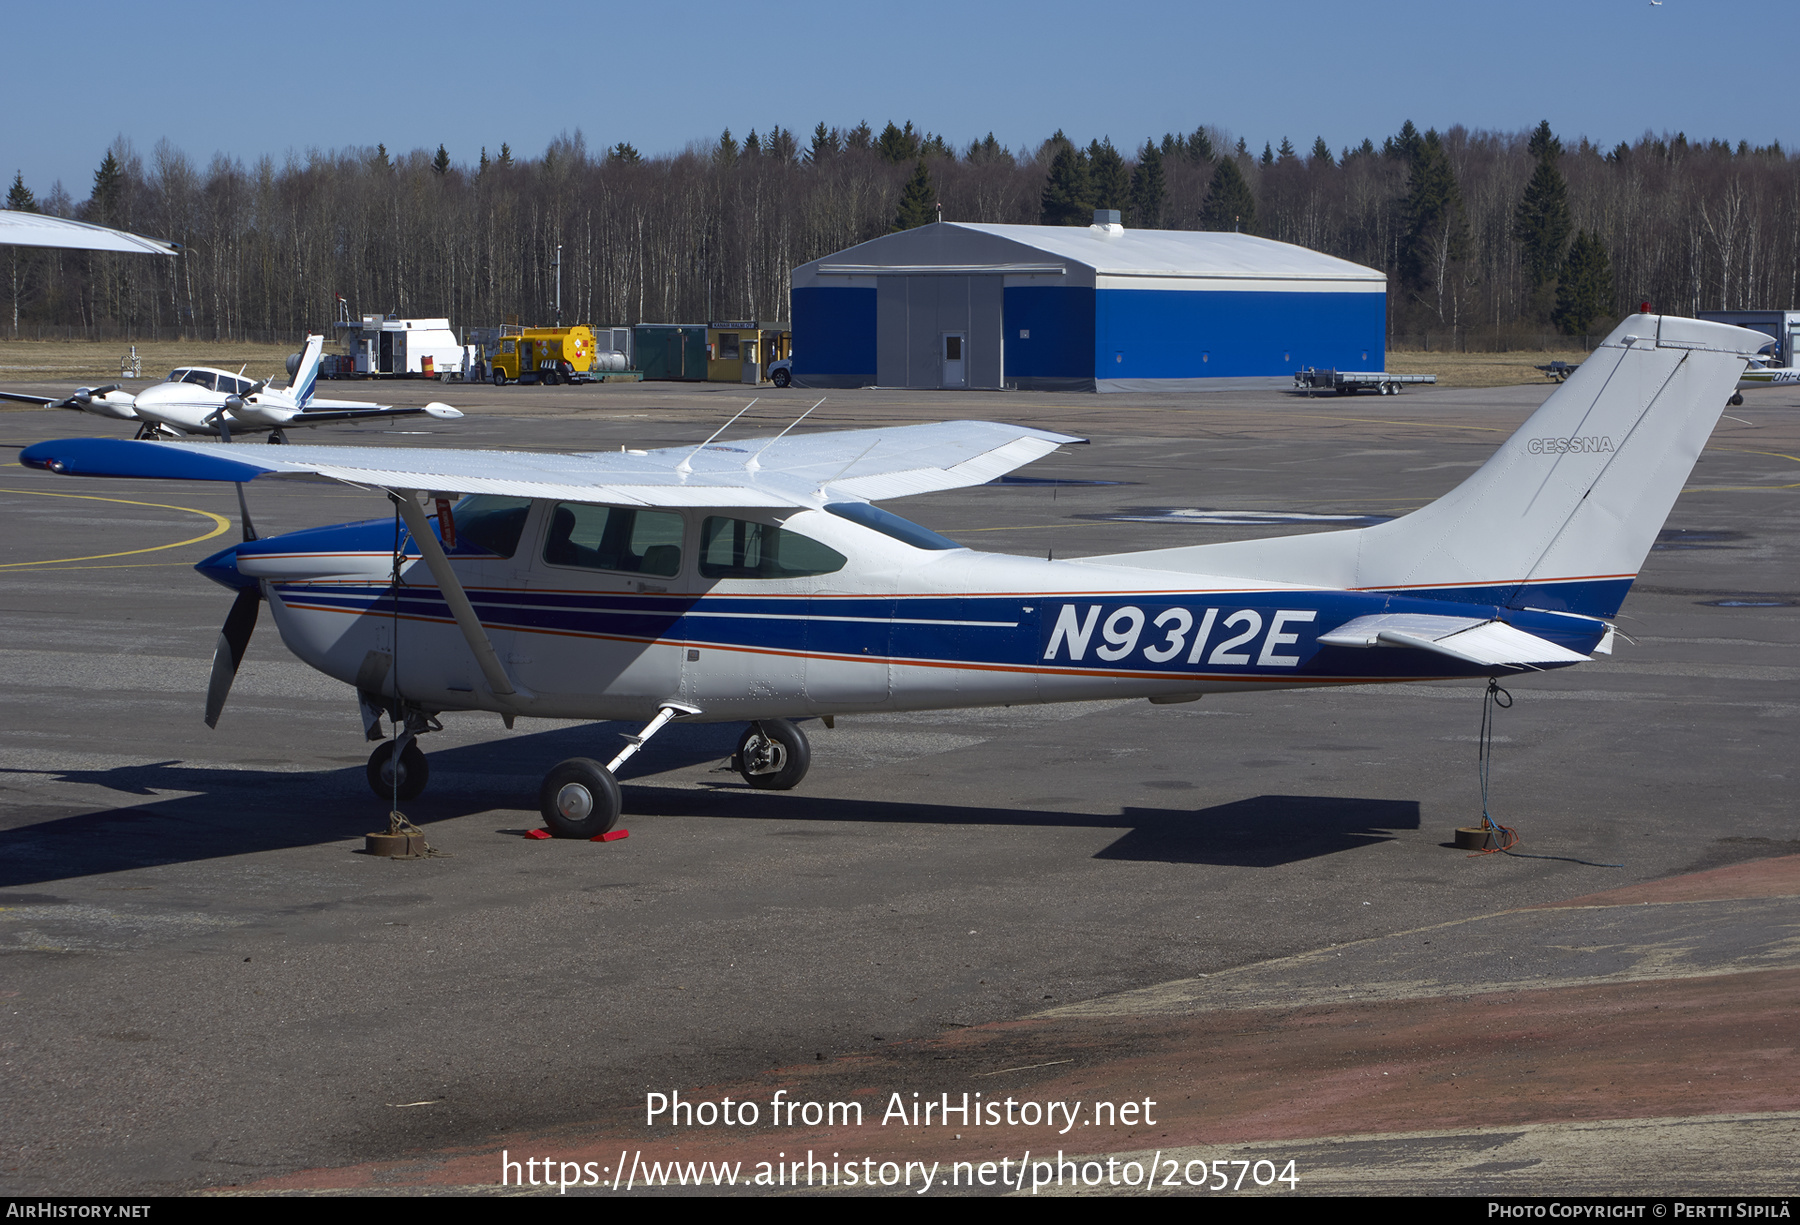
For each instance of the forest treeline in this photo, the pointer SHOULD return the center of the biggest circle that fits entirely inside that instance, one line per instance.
(1489, 239)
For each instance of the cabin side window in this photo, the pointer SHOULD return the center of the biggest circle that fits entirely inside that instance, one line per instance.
(490, 523)
(743, 548)
(618, 538)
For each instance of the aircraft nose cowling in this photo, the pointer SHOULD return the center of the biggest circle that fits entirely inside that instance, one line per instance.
(222, 568)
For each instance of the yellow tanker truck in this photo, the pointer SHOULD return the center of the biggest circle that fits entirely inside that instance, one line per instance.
(541, 355)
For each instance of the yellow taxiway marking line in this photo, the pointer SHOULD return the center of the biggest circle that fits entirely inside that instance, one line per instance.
(221, 525)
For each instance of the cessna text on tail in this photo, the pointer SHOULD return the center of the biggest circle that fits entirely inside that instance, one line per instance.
(756, 581)
(201, 400)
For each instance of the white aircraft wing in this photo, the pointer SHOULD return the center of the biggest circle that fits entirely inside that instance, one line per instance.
(798, 470)
(37, 230)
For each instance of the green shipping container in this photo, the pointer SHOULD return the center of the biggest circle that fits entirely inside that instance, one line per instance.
(670, 350)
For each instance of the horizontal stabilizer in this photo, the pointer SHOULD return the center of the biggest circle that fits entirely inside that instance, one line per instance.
(1470, 639)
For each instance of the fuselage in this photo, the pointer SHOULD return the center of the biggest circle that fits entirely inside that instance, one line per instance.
(682, 605)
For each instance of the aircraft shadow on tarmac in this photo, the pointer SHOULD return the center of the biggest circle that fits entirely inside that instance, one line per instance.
(216, 813)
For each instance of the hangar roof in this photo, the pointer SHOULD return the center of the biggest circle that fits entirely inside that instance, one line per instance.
(1111, 251)
(1180, 253)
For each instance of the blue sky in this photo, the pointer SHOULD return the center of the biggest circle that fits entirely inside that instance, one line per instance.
(250, 80)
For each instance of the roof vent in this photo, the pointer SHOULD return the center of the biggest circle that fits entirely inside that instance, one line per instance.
(1107, 221)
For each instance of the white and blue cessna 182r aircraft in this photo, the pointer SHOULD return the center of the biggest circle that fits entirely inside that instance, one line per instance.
(756, 580)
(201, 400)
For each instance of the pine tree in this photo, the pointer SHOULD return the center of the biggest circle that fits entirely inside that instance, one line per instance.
(917, 201)
(988, 152)
(860, 137)
(779, 145)
(726, 151)
(381, 161)
(1544, 145)
(109, 191)
(1584, 290)
(1321, 153)
(1541, 222)
(898, 146)
(753, 145)
(440, 164)
(624, 154)
(1286, 153)
(1268, 157)
(20, 198)
(1230, 204)
(1200, 146)
(1147, 189)
(1108, 179)
(506, 158)
(826, 144)
(1407, 145)
(1068, 195)
(1436, 236)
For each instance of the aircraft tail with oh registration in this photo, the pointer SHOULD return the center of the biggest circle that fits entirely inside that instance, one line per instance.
(1561, 517)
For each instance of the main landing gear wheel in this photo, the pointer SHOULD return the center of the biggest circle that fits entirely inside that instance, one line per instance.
(579, 799)
(773, 755)
(1737, 399)
(414, 771)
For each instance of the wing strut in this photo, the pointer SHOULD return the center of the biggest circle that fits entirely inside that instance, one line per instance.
(457, 599)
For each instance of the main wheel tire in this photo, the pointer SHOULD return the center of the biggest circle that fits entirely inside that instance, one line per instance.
(415, 771)
(499, 377)
(773, 755)
(781, 378)
(579, 799)
(1737, 399)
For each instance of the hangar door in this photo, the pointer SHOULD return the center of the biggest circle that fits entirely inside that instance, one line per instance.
(939, 331)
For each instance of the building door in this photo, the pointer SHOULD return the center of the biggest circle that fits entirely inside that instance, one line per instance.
(953, 360)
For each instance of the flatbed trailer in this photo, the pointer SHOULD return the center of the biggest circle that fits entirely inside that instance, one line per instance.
(1349, 382)
(1560, 370)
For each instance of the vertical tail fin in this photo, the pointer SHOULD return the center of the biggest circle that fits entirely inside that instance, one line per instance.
(306, 375)
(1563, 514)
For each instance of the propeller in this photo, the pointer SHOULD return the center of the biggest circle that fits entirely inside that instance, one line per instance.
(229, 653)
(220, 416)
(240, 622)
(84, 396)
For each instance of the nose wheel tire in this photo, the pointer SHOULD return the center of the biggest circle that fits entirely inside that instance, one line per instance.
(773, 755)
(579, 799)
(414, 771)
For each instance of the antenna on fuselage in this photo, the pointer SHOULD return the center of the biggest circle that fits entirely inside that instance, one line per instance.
(687, 465)
(753, 464)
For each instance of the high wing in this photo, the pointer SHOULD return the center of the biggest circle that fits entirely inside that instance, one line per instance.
(19, 229)
(798, 470)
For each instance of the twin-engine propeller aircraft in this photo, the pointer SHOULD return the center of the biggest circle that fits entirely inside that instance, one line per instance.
(201, 400)
(757, 581)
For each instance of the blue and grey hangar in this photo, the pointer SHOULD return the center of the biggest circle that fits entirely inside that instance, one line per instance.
(1080, 308)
